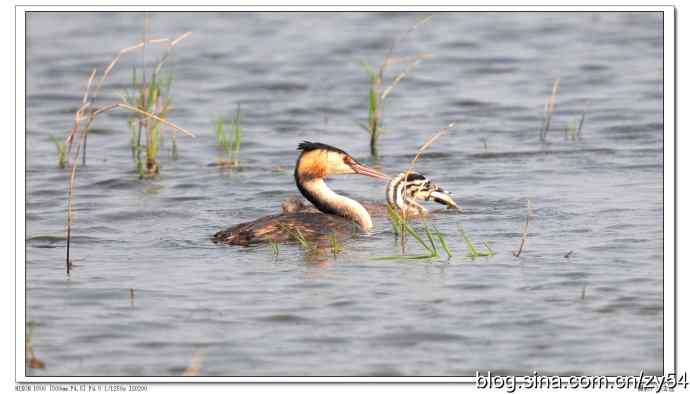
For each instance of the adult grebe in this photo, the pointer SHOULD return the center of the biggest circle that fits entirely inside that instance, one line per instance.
(316, 162)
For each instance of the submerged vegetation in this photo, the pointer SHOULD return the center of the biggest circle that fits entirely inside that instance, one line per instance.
(230, 148)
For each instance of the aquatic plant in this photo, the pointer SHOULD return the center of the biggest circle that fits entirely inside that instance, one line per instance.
(150, 97)
(336, 247)
(297, 235)
(580, 124)
(429, 244)
(275, 248)
(230, 148)
(194, 368)
(485, 141)
(574, 129)
(549, 107)
(376, 96)
(374, 108)
(395, 220)
(401, 226)
(570, 131)
(472, 250)
(32, 361)
(88, 112)
(61, 151)
(524, 230)
(442, 240)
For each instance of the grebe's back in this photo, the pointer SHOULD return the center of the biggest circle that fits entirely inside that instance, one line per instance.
(285, 226)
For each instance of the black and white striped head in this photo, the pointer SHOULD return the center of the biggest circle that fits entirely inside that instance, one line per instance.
(402, 193)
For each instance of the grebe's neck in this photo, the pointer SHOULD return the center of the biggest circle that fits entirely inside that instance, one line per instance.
(327, 201)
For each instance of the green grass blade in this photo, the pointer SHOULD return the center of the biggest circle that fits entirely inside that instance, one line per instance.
(414, 257)
(155, 137)
(395, 219)
(491, 252)
(472, 250)
(237, 133)
(442, 241)
(431, 241)
(275, 249)
(369, 70)
(150, 94)
(219, 131)
(416, 236)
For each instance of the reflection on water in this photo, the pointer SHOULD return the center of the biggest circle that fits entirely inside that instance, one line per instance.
(297, 77)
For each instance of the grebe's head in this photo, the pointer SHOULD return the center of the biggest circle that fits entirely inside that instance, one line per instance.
(402, 192)
(319, 160)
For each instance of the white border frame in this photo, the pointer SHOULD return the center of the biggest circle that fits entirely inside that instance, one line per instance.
(19, 271)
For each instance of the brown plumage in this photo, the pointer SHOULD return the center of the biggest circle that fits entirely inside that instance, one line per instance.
(285, 227)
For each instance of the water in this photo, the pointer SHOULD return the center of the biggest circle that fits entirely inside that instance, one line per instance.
(297, 77)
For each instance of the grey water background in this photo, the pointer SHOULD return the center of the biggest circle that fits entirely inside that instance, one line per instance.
(297, 77)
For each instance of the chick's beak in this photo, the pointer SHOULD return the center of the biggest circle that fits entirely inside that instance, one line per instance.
(368, 171)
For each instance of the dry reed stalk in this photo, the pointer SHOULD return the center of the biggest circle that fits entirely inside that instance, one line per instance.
(34, 362)
(549, 107)
(426, 145)
(410, 67)
(148, 115)
(386, 60)
(135, 47)
(524, 231)
(194, 367)
(81, 115)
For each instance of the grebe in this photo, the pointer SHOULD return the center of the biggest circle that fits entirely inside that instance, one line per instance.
(316, 162)
(403, 192)
(401, 195)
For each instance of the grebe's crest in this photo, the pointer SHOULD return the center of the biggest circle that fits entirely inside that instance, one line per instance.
(308, 145)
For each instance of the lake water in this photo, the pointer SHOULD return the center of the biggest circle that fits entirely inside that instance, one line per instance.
(297, 77)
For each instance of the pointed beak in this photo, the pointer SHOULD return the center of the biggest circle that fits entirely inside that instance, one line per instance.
(442, 197)
(368, 171)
